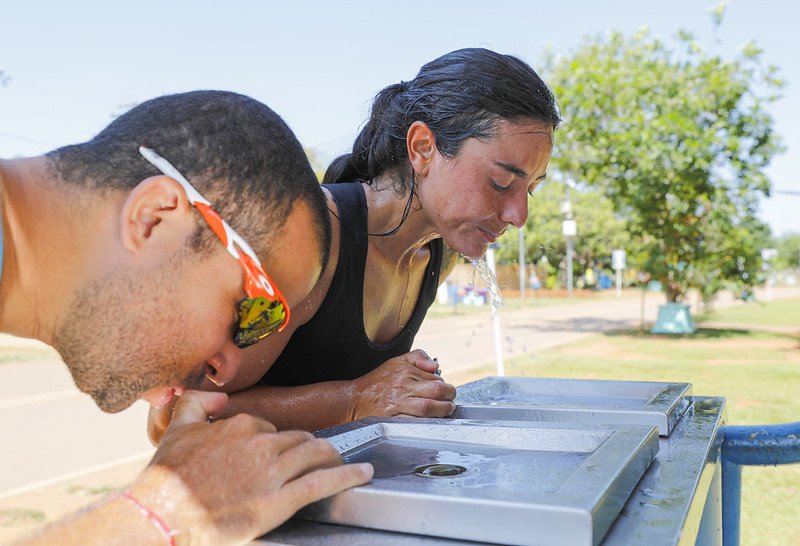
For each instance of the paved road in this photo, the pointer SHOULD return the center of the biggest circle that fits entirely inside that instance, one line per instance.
(466, 341)
(52, 432)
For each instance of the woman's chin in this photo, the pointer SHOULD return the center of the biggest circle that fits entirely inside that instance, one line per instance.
(472, 248)
(473, 251)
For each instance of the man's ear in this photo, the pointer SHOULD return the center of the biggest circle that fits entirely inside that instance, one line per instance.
(156, 202)
(421, 147)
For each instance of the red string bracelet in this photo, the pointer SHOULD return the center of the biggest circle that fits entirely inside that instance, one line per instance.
(161, 525)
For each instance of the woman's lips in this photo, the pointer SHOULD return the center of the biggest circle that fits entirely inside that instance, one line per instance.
(488, 235)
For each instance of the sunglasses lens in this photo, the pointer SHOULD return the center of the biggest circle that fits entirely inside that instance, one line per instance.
(258, 317)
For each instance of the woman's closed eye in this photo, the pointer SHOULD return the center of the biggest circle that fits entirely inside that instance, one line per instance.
(497, 187)
(536, 184)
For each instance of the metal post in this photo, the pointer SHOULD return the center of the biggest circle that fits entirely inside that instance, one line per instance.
(756, 445)
(569, 266)
(521, 263)
(731, 502)
(641, 315)
(619, 283)
(569, 229)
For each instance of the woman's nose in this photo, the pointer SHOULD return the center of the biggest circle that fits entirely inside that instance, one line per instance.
(515, 211)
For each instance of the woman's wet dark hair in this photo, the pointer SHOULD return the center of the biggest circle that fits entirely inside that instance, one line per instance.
(460, 95)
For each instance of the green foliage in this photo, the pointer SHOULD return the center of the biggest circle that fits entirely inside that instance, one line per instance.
(788, 251)
(678, 141)
(316, 164)
(599, 229)
(717, 13)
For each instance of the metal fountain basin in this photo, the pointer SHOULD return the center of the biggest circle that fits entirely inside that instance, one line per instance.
(504, 482)
(575, 400)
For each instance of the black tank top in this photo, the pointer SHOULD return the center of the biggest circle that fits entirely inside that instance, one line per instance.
(333, 344)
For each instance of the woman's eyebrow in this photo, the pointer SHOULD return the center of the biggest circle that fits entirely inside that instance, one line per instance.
(513, 169)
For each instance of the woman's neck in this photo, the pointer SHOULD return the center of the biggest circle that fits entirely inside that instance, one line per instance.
(386, 210)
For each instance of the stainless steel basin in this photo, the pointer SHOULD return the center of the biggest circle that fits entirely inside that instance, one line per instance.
(499, 482)
(574, 400)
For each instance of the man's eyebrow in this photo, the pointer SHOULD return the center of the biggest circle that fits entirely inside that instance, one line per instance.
(513, 169)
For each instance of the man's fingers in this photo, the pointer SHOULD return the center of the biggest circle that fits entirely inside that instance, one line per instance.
(325, 482)
(157, 422)
(197, 407)
(307, 456)
(279, 442)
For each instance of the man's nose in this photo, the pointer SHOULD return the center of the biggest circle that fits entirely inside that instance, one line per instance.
(224, 365)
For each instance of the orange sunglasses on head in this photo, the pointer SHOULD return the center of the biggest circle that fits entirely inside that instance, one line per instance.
(264, 310)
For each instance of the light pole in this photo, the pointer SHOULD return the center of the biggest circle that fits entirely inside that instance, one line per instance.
(570, 229)
(767, 255)
(618, 264)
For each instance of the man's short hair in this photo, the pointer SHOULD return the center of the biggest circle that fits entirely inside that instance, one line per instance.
(235, 150)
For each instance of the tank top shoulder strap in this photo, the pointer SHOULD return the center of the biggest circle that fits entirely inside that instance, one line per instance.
(352, 204)
(348, 279)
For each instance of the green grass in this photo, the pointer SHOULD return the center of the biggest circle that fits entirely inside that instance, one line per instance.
(758, 372)
(25, 354)
(775, 313)
(20, 516)
(86, 491)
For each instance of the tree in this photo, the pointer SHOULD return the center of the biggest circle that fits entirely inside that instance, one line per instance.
(599, 229)
(316, 164)
(788, 247)
(678, 141)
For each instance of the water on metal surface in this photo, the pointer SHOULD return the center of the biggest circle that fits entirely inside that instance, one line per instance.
(574, 400)
(439, 470)
(668, 507)
(497, 482)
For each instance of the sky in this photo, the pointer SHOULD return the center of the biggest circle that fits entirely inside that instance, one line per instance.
(75, 65)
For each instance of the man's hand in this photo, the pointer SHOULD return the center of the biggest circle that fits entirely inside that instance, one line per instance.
(158, 420)
(232, 480)
(404, 385)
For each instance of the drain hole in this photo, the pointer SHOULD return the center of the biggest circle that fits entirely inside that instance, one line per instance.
(439, 470)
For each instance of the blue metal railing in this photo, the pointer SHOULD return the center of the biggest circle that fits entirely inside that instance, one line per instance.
(758, 445)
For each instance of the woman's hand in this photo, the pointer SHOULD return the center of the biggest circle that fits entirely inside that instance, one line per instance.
(404, 385)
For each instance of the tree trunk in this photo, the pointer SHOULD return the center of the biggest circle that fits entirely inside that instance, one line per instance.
(673, 291)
